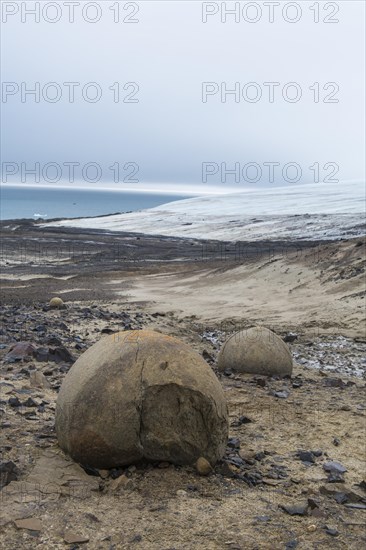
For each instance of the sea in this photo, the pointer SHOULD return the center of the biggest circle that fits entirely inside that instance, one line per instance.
(19, 202)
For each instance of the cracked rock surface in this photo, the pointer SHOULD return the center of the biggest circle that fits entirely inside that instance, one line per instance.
(141, 395)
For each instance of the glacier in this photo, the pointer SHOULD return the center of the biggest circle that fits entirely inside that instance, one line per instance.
(321, 211)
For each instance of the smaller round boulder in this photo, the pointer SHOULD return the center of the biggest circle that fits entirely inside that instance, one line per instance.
(57, 303)
(257, 350)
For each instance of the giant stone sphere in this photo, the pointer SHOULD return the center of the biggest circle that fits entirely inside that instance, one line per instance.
(141, 395)
(257, 350)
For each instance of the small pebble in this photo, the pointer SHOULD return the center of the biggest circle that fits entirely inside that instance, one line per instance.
(203, 466)
(332, 531)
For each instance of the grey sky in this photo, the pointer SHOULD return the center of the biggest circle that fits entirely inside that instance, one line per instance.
(170, 132)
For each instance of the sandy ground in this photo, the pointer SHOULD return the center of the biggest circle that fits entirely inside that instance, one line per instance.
(319, 288)
(201, 294)
(316, 285)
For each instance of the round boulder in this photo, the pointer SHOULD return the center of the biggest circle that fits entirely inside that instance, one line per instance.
(257, 350)
(56, 303)
(141, 395)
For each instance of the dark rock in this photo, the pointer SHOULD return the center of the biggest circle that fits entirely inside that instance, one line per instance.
(290, 337)
(49, 372)
(306, 456)
(362, 485)
(116, 472)
(207, 356)
(251, 478)
(236, 460)
(244, 420)
(330, 491)
(64, 368)
(90, 471)
(40, 328)
(108, 330)
(79, 346)
(335, 477)
(19, 352)
(334, 467)
(281, 394)
(331, 531)
(334, 383)
(313, 503)
(24, 391)
(340, 497)
(277, 472)
(291, 544)
(356, 505)
(263, 518)
(241, 420)
(317, 453)
(225, 470)
(336, 442)
(8, 472)
(30, 403)
(41, 354)
(298, 509)
(53, 341)
(233, 443)
(260, 456)
(61, 354)
(24, 370)
(14, 402)
(30, 416)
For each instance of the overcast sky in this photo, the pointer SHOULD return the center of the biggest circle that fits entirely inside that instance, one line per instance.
(170, 131)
